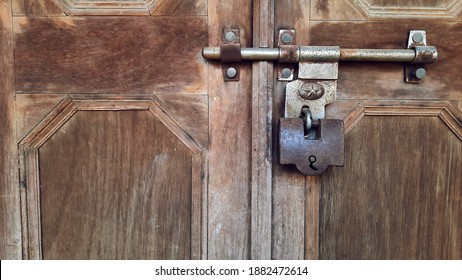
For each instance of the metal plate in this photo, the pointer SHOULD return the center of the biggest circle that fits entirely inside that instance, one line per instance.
(311, 157)
(295, 102)
(411, 69)
(283, 69)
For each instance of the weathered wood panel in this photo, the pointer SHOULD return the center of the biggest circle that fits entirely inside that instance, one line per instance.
(115, 191)
(179, 7)
(229, 140)
(336, 10)
(110, 55)
(262, 97)
(398, 195)
(37, 8)
(133, 7)
(385, 80)
(289, 185)
(430, 10)
(32, 8)
(191, 113)
(10, 226)
(31, 109)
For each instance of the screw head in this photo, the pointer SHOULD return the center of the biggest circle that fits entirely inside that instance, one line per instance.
(230, 36)
(286, 73)
(420, 73)
(417, 37)
(311, 91)
(231, 72)
(287, 38)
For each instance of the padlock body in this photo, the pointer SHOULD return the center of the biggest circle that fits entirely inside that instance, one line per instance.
(311, 156)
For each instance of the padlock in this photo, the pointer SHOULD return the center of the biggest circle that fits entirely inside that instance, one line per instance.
(311, 156)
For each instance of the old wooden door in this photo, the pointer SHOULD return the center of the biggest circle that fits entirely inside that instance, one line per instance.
(118, 141)
(399, 194)
(105, 124)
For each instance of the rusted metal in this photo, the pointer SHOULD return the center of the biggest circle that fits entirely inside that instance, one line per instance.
(377, 55)
(295, 102)
(271, 54)
(311, 156)
(311, 91)
(285, 35)
(285, 73)
(425, 55)
(358, 55)
(230, 54)
(288, 54)
(320, 54)
(306, 139)
(318, 70)
(417, 42)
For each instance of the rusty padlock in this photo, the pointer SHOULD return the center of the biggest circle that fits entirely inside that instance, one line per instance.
(311, 156)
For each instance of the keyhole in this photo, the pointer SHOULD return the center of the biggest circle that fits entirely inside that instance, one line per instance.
(312, 160)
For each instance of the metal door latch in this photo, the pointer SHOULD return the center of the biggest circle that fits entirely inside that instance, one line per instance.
(306, 138)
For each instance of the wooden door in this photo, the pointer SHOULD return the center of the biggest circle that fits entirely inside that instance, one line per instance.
(399, 194)
(118, 141)
(105, 136)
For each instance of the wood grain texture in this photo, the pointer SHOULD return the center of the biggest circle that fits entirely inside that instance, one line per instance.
(262, 75)
(336, 10)
(190, 112)
(388, 201)
(289, 185)
(229, 140)
(110, 55)
(133, 7)
(10, 227)
(428, 9)
(161, 126)
(112, 196)
(105, 7)
(36, 8)
(199, 191)
(312, 197)
(31, 109)
(385, 80)
(347, 10)
(70, 104)
(179, 7)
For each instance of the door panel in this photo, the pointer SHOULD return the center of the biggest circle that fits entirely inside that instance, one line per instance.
(110, 54)
(132, 146)
(385, 80)
(230, 140)
(110, 114)
(289, 186)
(10, 226)
(398, 195)
(103, 176)
(110, 195)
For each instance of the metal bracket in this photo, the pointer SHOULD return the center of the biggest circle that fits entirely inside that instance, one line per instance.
(306, 139)
(287, 42)
(230, 50)
(317, 84)
(415, 71)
